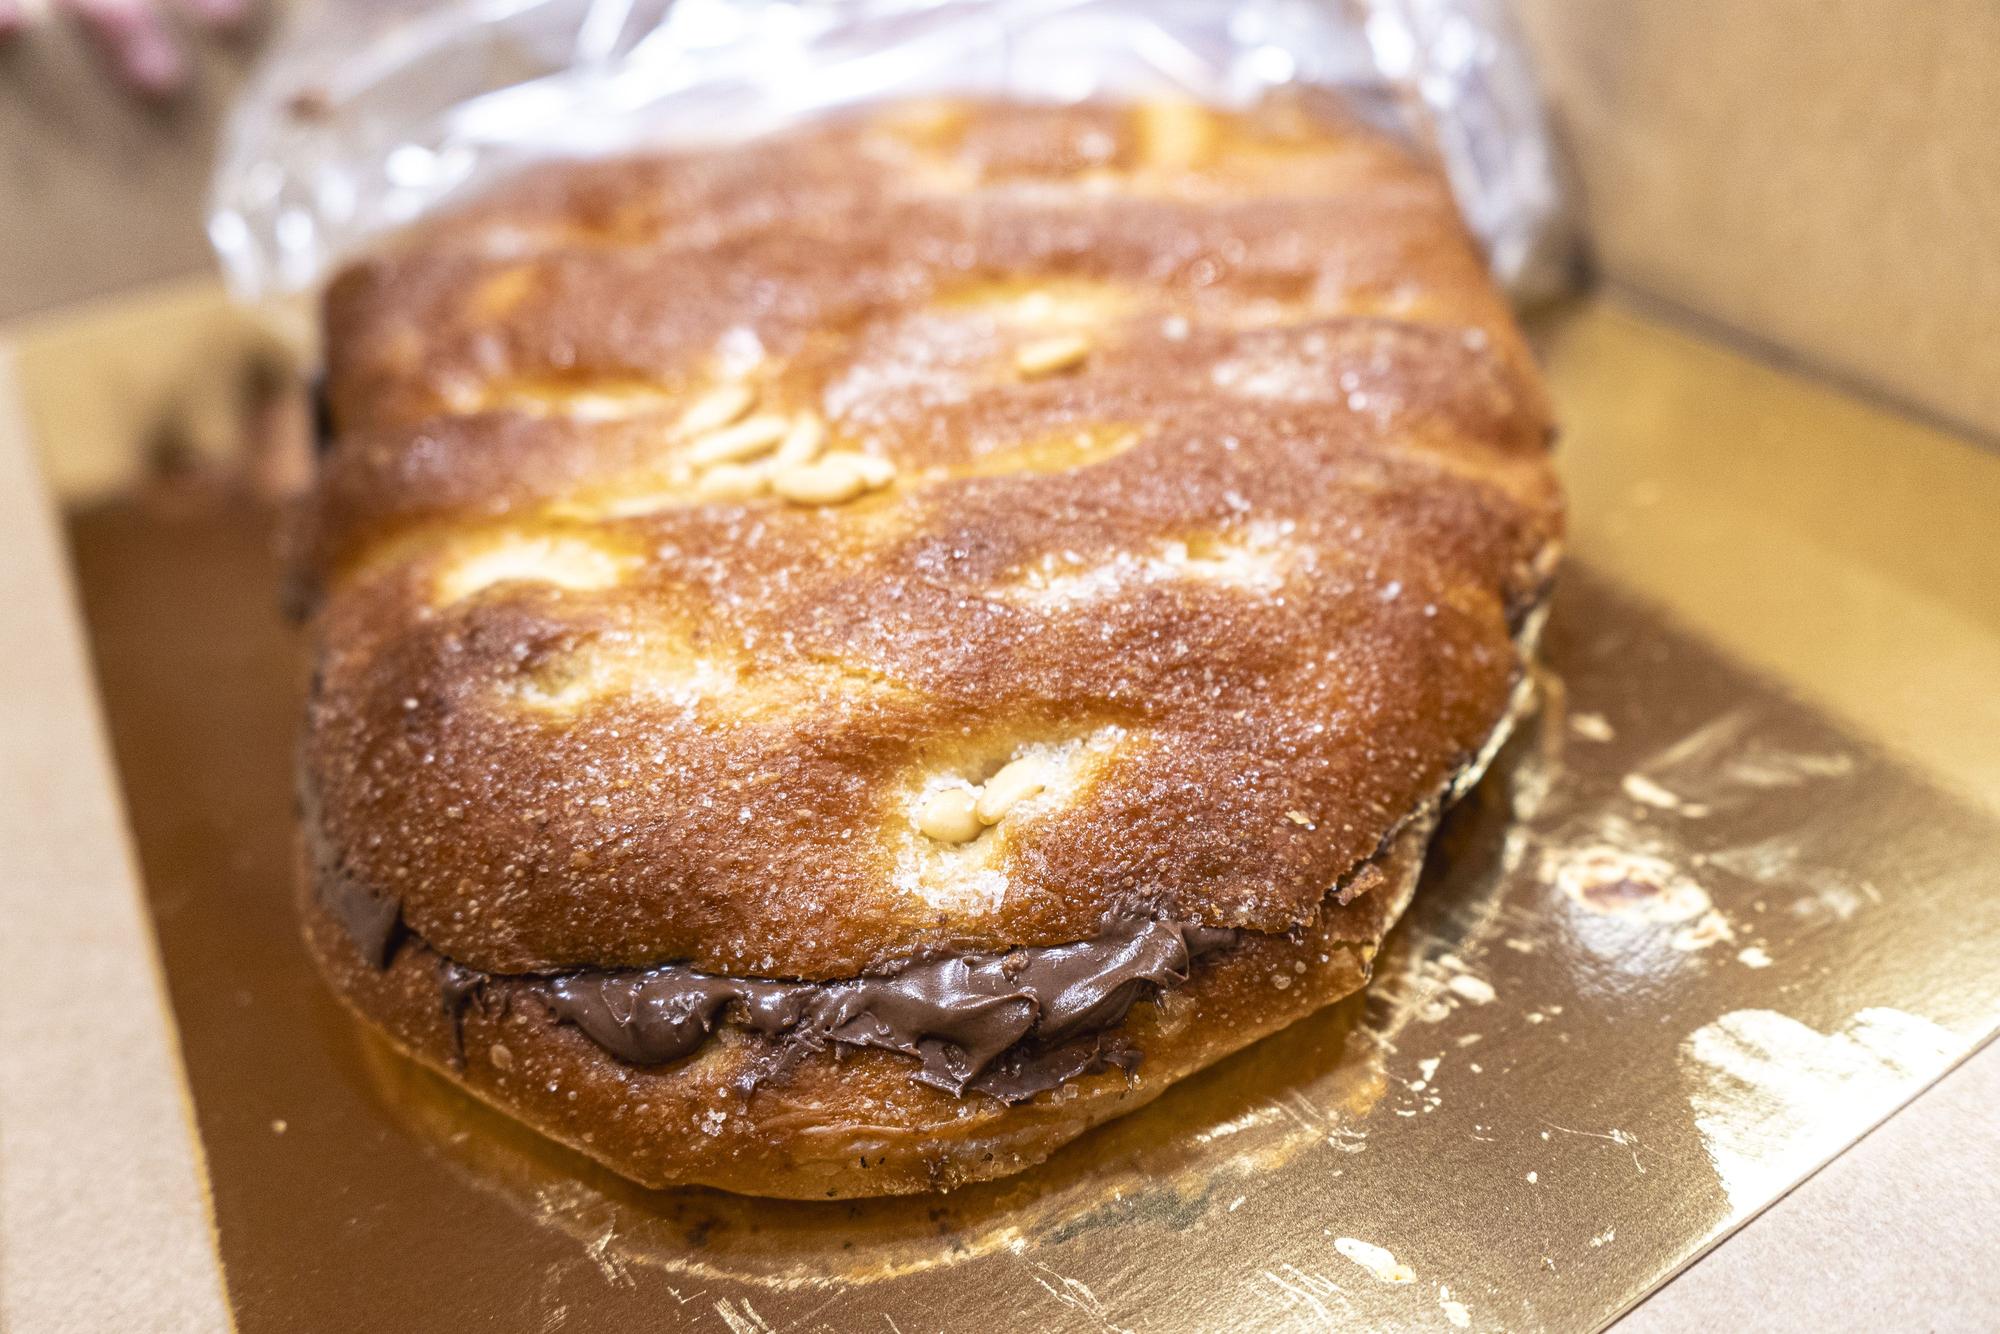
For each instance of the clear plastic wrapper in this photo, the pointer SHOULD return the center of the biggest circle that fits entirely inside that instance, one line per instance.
(369, 113)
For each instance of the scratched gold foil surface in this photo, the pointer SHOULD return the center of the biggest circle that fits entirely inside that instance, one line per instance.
(1724, 902)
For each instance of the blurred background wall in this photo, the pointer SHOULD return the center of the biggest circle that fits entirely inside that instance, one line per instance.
(1820, 176)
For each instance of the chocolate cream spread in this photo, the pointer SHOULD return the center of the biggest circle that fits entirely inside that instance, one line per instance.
(1008, 1025)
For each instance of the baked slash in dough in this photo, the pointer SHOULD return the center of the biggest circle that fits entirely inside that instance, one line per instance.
(844, 661)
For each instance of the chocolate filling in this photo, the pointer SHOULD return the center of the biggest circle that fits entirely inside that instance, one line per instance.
(370, 919)
(1009, 1025)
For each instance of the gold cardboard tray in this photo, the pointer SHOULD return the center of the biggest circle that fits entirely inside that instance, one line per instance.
(1724, 903)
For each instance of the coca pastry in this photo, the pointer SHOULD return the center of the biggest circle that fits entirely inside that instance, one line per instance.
(843, 661)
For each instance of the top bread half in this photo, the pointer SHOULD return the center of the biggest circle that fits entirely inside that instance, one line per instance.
(949, 527)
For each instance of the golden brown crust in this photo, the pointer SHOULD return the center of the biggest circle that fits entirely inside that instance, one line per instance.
(1193, 465)
(849, 1124)
(1245, 578)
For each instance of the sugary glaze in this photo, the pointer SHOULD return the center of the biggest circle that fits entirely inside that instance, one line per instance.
(1241, 578)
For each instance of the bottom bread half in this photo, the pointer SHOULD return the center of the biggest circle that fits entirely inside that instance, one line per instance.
(843, 1122)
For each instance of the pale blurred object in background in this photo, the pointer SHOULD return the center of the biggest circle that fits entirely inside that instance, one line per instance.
(142, 44)
(109, 111)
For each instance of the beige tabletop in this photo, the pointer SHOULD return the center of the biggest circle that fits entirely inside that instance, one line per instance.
(103, 1212)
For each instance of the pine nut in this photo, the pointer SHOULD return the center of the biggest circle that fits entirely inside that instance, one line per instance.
(1051, 356)
(1175, 133)
(1015, 783)
(837, 477)
(730, 481)
(717, 408)
(948, 817)
(827, 482)
(875, 470)
(747, 438)
(803, 442)
(630, 507)
(497, 297)
(607, 407)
